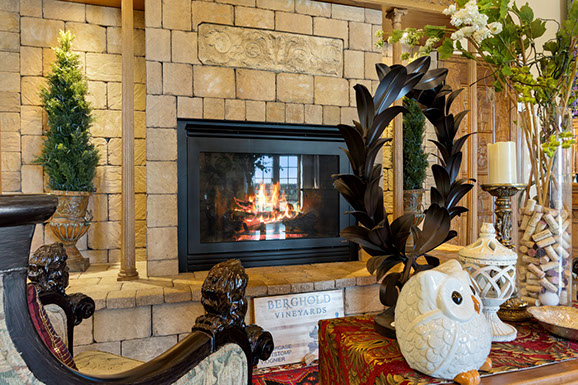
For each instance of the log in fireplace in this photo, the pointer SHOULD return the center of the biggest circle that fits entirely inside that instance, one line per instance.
(260, 192)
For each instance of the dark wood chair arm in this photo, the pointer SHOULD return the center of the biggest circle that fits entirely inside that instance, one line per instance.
(223, 297)
(261, 343)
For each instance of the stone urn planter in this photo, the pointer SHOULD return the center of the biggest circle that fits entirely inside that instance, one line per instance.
(70, 222)
(413, 203)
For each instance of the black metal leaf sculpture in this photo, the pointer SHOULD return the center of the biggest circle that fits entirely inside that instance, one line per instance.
(384, 241)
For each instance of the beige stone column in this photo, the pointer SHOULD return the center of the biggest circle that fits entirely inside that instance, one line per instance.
(396, 15)
(128, 258)
(472, 156)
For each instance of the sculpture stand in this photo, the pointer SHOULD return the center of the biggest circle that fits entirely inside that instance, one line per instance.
(514, 309)
(501, 332)
(383, 323)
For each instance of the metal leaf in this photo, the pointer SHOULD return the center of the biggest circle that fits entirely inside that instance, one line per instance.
(451, 99)
(362, 218)
(388, 89)
(359, 235)
(386, 265)
(419, 65)
(442, 179)
(383, 120)
(388, 291)
(458, 118)
(432, 79)
(365, 106)
(382, 70)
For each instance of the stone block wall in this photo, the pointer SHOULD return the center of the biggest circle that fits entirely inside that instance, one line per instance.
(190, 76)
(28, 30)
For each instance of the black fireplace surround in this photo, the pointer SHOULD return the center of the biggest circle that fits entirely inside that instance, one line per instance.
(261, 193)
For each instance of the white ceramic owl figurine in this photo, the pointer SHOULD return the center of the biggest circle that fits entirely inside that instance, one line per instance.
(440, 327)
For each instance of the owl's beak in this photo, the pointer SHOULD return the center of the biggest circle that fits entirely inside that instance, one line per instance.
(476, 304)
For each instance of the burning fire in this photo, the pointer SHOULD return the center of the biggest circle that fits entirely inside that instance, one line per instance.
(264, 209)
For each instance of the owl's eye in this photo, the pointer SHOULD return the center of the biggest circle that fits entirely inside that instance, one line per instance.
(457, 298)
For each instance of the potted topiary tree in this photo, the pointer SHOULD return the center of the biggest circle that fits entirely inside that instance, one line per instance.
(414, 158)
(68, 156)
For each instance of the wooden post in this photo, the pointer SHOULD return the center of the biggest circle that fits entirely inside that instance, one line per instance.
(128, 261)
(472, 201)
(395, 17)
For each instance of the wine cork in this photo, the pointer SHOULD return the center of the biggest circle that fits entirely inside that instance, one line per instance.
(562, 242)
(539, 209)
(551, 253)
(552, 212)
(550, 266)
(544, 260)
(529, 244)
(564, 214)
(564, 297)
(548, 285)
(541, 226)
(531, 301)
(530, 230)
(533, 288)
(525, 221)
(523, 249)
(563, 253)
(541, 235)
(546, 242)
(539, 273)
(530, 275)
(566, 237)
(530, 206)
(532, 294)
(565, 225)
(535, 219)
(523, 292)
(551, 221)
(532, 252)
(528, 259)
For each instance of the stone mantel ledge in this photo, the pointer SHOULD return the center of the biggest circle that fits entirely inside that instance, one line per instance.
(99, 282)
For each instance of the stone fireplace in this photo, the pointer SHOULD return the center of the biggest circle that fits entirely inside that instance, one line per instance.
(271, 61)
(263, 61)
(260, 192)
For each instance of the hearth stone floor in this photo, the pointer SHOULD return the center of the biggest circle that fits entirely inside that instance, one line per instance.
(100, 283)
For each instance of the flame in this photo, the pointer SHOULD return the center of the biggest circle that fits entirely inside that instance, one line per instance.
(267, 208)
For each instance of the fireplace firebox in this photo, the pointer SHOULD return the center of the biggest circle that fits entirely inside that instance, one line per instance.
(260, 192)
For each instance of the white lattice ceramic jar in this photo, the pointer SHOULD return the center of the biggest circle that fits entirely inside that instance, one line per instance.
(493, 267)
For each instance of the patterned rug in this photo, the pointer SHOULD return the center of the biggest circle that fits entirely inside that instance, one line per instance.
(294, 374)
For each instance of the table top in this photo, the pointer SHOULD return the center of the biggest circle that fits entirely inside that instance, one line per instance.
(351, 352)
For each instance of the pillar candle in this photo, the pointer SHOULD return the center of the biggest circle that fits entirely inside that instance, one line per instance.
(502, 164)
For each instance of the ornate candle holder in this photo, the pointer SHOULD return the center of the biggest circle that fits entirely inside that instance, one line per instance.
(514, 309)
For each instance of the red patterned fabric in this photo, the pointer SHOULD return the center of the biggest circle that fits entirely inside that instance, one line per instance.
(351, 352)
(45, 330)
(294, 374)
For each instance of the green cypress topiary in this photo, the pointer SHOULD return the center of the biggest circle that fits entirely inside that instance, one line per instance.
(68, 156)
(414, 156)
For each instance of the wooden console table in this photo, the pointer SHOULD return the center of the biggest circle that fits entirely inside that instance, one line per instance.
(351, 352)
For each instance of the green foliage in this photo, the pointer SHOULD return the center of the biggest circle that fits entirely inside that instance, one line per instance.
(68, 156)
(414, 156)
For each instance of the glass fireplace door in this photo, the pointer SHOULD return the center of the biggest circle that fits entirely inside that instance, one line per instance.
(262, 197)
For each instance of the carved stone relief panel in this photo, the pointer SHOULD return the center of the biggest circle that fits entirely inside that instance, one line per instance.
(269, 50)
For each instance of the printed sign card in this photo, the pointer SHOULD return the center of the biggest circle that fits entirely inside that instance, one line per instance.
(292, 320)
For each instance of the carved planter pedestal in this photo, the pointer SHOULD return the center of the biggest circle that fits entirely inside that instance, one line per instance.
(70, 222)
